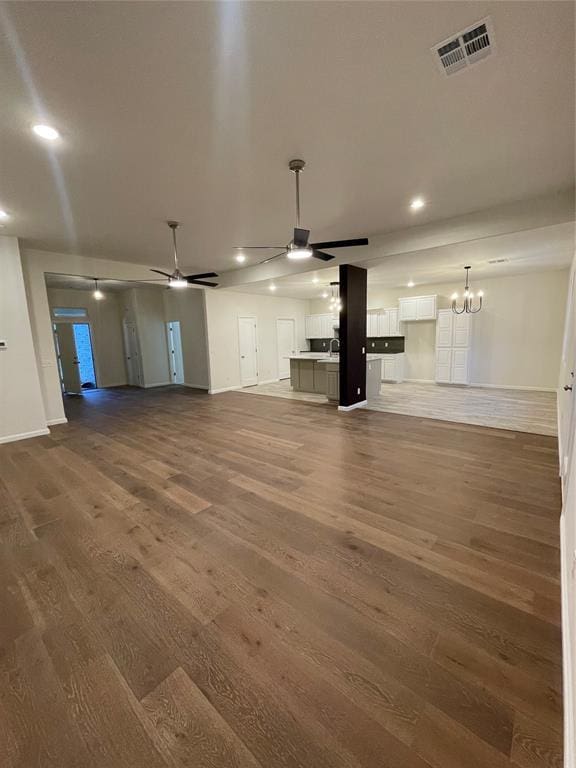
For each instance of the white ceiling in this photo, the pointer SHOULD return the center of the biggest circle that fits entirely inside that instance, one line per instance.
(192, 111)
(86, 283)
(527, 251)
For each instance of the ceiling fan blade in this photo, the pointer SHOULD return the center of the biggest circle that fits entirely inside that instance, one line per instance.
(256, 247)
(159, 271)
(197, 277)
(342, 243)
(283, 253)
(301, 237)
(321, 255)
(201, 282)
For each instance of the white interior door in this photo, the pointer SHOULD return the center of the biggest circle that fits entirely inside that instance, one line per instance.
(67, 357)
(132, 353)
(286, 335)
(248, 345)
(175, 360)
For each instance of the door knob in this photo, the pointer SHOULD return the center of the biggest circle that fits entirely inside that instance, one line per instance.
(567, 387)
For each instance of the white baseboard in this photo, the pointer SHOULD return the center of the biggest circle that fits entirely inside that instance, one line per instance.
(53, 422)
(418, 381)
(512, 386)
(24, 435)
(116, 384)
(223, 389)
(270, 381)
(195, 386)
(567, 672)
(157, 384)
(352, 407)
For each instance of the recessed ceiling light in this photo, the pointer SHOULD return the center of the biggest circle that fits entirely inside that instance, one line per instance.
(4, 215)
(325, 295)
(411, 284)
(46, 132)
(314, 279)
(417, 204)
(240, 258)
(272, 287)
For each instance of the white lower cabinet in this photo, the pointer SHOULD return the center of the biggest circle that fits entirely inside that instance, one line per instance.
(443, 365)
(393, 367)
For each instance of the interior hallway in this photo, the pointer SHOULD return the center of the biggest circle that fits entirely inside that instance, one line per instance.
(519, 410)
(252, 581)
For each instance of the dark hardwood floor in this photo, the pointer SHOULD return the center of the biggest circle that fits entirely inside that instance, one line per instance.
(242, 581)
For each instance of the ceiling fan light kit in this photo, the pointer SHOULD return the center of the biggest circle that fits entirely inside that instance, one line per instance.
(299, 249)
(176, 279)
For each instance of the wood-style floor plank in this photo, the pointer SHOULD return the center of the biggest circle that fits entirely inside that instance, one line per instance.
(239, 582)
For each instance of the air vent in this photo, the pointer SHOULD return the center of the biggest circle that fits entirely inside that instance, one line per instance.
(465, 48)
(497, 261)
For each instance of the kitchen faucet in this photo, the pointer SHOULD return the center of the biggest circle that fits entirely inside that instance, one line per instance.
(330, 347)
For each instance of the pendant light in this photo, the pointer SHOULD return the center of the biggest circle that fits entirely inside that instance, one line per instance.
(335, 302)
(97, 293)
(467, 300)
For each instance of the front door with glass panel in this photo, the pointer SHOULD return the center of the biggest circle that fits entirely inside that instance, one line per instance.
(75, 356)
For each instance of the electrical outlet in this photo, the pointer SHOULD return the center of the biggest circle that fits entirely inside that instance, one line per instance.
(358, 391)
(373, 345)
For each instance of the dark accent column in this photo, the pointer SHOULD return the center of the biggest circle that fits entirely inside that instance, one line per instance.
(353, 289)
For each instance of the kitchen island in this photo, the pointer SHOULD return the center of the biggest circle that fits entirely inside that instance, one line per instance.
(320, 373)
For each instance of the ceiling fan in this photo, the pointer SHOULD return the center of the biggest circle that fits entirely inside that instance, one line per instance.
(299, 247)
(176, 279)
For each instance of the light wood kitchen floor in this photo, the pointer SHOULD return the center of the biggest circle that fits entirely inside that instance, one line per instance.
(519, 410)
(252, 582)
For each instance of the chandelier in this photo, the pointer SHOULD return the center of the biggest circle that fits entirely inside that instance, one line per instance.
(335, 302)
(468, 300)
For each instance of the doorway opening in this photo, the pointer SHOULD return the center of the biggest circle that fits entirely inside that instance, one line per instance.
(175, 359)
(75, 356)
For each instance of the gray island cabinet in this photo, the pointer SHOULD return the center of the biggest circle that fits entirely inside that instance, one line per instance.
(320, 374)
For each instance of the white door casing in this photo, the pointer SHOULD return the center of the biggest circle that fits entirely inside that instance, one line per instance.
(248, 350)
(286, 345)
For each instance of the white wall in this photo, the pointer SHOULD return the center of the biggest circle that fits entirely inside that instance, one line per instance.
(105, 318)
(223, 308)
(145, 306)
(188, 307)
(517, 336)
(21, 406)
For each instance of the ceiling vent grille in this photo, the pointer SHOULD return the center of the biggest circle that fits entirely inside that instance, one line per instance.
(498, 261)
(465, 48)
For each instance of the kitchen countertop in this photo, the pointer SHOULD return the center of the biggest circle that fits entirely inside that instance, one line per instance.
(323, 357)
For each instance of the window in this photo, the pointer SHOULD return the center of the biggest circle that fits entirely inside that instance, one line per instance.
(69, 312)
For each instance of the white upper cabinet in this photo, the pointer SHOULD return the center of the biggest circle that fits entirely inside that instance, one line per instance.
(417, 308)
(383, 323)
(444, 328)
(461, 332)
(372, 324)
(320, 326)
